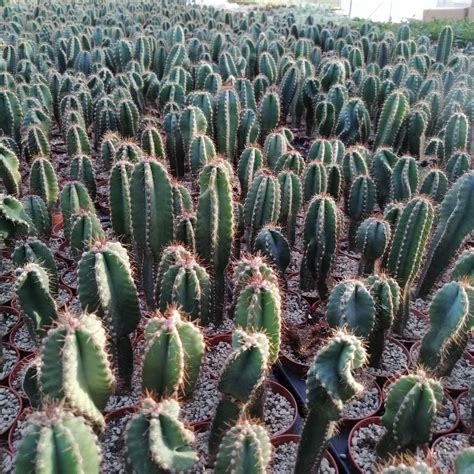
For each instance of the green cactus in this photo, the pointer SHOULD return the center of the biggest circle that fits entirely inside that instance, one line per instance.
(119, 198)
(10, 170)
(456, 133)
(106, 287)
(458, 164)
(291, 201)
(248, 131)
(406, 251)
(174, 348)
(353, 125)
(445, 43)
(85, 230)
(247, 363)
(314, 179)
(262, 203)
(292, 161)
(174, 143)
(455, 222)
(332, 72)
(35, 143)
(151, 142)
(386, 295)
(215, 228)
(334, 181)
(38, 215)
(394, 111)
(464, 461)
(227, 110)
(321, 228)
(43, 181)
(269, 111)
(11, 114)
(464, 268)
(417, 467)
(151, 199)
(192, 122)
(452, 319)
(57, 441)
(201, 151)
(81, 169)
(411, 397)
(372, 241)
(14, 221)
(245, 448)
(289, 89)
(35, 299)
(353, 165)
(77, 141)
(275, 145)
(77, 345)
(250, 161)
(330, 384)
(434, 185)
(273, 245)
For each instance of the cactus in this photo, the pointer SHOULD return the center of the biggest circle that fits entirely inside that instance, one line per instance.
(321, 150)
(456, 133)
(262, 204)
(289, 90)
(55, 440)
(454, 223)
(11, 114)
(35, 251)
(14, 221)
(407, 248)
(445, 42)
(243, 447)
(394, 111)
(359, 204)
(331, 73)
(201, 151)
(119, 198)
(324, 117)
(250, 161)
(464, 267)
(35, 299)
(192, 122)
(38, 215)
(353, 165)
(174, 348)
(174, 143)
(458, 164)
(275, 146)
(452, 319)
(215, 228)
(247, 363)
(151, 199)
(248, 131)
(315, 179)
(334, 181)
(372, 240)
(271, 243)
(35, 143)
(77, 141)
(386, 295)
(10, 170)
(157, 441)
(184, 283)
(353, 125)
(411, 397)
(151, 142)
(43, 181)
(415, 467)
(330, 384)
(227, 110)
(434, 185)
(269, 111)
(77, 343)
(85, 230)
(321, 228)
(106, 287)
(464, 461)
(291, 200)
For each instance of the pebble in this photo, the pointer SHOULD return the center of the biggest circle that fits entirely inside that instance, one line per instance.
(69, 278)
(364, 405)
(465, 410)
(23, 341)
(296, 311)
(394, 360)
(446, 450)
(9, 408)
(461, 376)
(416, 327)
(9, 359)
(6, 462)
(445, 418)
(278, 412)
(113, 445)
(7, 322)
(7, 290)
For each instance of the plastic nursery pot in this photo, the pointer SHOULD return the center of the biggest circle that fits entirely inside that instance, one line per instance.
(362, 424)
(9, 318)
(292, 438)
(17, 355)
(298, 368)
(434, 448)
(64, 252)
(223, 337)
(5, 431)
(465, 424)
(119, 413)
(23, 349)
(70, 296)
(15, 381)
(277, 388)
(200, 426)
(71, 285)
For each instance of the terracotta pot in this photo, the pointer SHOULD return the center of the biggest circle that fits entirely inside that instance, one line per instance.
(64, 281)
(119, 412)
(200, 426)
(65, 256)
(9, 427)
(12, 313)
(292, 438)
(57, 220)
(222, 337)
(366, 422)
(14, 373)
(465, 428)
(298, 368)
(17, 353)
(277, 388)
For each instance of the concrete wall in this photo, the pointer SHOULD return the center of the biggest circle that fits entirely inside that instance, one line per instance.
(446, 13)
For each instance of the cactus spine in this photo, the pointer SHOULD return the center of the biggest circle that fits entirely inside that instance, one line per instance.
(394, 111)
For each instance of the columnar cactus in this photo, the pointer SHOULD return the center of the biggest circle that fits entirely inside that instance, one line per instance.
(244, 445)
(456, 133)
(151, 199)
(14, 221)
(119, 198)
(354, 123)
(411, 397)
(174, 348)
(315, 180)
(464, 267)
(434, 185)
(250, 161)
(157, 441)
(201, 151)
(372, 241)
(35, 299)
(226, 122)
(56, 440)
(10, 170)
(271, 243)
(106, 287)
(81, 169)
(445, 42)
(77, 343)
(404, 182)
(275, 145)
(262, 204)
(151, 142)
(192, 122)
(458, 164)
(321, 228)
(291, 200)
(11, 114)
(451, 317)
(215, 227)
(269, 111)
(394, 111)
(330, 384)
(383, 162)
(185, 283)
(43, 181)
(85, 230)
(407, 248)
(248, 363)
(454, 223)
(38, 215)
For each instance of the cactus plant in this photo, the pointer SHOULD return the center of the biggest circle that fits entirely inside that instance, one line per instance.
(10, 170)
(14, 221)
(464, 267)
(43, 181)
(372, 241)
(394, 111)
(445, 42)
(271, 243)
(227, 110)
(38, 215)
(330, 384)
(173, 351)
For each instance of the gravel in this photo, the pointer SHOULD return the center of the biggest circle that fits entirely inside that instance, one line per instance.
(122, 401)
(69, 278)
(7, 290)
(226, 326)
(345, 267)
(23, 341)
(461, 376)
(394, 360)
(446, 451)
(465, 407)
(113, 445)
(6, 266)
(296, 310)
(366, 404)
(284, 459)
(64, 297)
(446, 417)
(6, 462)
(416, 327)
(9, 408)
(9, 359)
(7, 322)
(278, 412)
